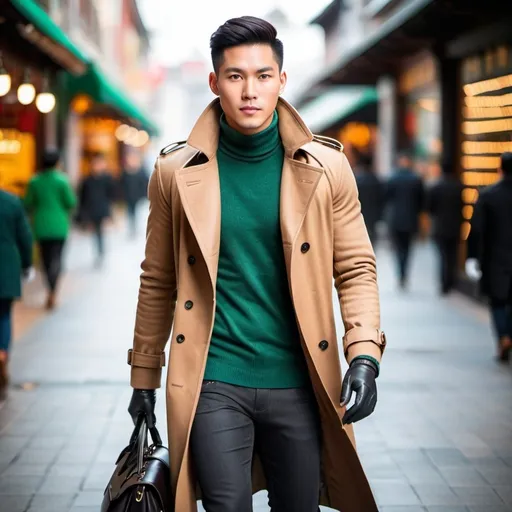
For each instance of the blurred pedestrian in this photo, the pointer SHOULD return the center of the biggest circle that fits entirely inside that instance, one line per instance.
(444, 204)
(404, 202)
(134, 182)
(16, 258)
(97, 193)
(49, 201)
(251, 210)
(371, 195)
(489, 255)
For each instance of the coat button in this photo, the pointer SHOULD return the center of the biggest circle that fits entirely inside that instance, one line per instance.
(189, 304)
(180, 338)
(191, 260)
(304, 248)
(323, 345)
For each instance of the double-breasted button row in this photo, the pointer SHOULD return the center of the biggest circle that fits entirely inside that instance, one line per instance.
(191, 260)
(304, 248)
(189, 305)
(323, 345)
(180, 338)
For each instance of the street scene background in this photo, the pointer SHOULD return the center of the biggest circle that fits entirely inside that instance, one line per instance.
(423, 85)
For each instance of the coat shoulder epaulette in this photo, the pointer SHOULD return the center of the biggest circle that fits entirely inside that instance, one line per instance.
(329, 142)
(173, 147)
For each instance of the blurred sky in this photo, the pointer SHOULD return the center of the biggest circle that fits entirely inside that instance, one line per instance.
(181, 27)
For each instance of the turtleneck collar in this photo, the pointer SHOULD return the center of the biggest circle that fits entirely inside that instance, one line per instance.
(249, 147)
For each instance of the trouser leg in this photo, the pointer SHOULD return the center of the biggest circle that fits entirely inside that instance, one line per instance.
(5, 324)
(288, 441)
(222, 443)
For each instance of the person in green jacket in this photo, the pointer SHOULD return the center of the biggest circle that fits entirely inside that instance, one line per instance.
(50, 200)
(16, 258)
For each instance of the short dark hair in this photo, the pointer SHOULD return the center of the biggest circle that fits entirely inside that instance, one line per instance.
(506, 163)
(244, 31)
(50, 159)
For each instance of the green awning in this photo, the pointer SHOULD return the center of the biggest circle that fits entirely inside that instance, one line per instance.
(46, 26)
(335, 105)
(94, 83)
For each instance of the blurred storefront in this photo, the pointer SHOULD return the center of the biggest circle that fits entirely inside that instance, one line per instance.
(443, 72)
(33, 49)
(101, 118)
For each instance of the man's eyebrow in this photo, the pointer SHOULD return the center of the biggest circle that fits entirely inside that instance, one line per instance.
(238, 70)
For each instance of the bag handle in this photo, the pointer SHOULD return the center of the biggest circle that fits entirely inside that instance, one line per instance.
(139, 439)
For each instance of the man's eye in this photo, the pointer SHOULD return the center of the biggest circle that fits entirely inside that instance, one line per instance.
(234, 77)
(265, 76)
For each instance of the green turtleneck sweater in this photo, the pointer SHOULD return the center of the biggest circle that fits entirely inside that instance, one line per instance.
(255, 340)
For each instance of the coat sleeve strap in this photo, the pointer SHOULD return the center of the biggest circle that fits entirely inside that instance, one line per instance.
(142, 360)
(364, 341)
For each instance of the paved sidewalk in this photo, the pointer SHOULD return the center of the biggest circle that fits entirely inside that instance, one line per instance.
(439, 441)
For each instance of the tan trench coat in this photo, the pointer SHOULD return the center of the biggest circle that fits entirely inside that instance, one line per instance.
(319, 207)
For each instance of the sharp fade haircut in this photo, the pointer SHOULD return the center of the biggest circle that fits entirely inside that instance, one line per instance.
(246, 30)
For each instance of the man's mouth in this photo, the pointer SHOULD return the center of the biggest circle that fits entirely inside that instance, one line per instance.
(249, 109)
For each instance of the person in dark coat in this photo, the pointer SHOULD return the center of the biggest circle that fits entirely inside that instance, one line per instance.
(97, 192)
(16, 258)
(371, 196)
(489, 256)
(444, 204)
(405, 201)
(134, 184)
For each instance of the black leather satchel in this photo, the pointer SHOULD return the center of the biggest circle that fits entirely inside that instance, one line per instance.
(141, 481)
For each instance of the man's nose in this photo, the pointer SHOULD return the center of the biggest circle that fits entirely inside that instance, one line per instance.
(249, 91)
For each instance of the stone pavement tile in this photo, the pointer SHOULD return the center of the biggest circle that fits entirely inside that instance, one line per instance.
(77, 455)
(437, 495)
(54, 485)
(497, 508)
(84, 509)
(394, 494)
(386, 474)
(89, 499)
(409, 456)
(55, 442)
(446, 457)
(25, 469)
(497, 476)
(505, 493)
(421, 473)
(478, 496)
(98, 477)
(508, 461)
(51, 503)
(402, 509)
(15, 503)
(447, 509)
(488, 463)
(13, 484)
(37, 456)
(71, 470)
(462, 477)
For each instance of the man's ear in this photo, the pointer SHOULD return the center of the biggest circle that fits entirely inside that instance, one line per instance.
(212, 81)
(283, 79)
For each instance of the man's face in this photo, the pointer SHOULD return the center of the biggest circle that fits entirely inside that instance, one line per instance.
(248, 84)
(98, 165)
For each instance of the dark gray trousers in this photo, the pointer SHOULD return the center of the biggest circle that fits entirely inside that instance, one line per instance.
(281, 425)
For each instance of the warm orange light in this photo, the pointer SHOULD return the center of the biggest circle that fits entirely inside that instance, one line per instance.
(465, 230)
(480, 162)
(470, 195)
(493, 84)
(81, 104)
(476, 127)
(478, 147)
(488, 101)
(487, 112)
(479, 179)
(467, 212)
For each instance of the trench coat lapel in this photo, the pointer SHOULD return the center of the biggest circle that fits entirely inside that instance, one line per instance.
(199, 185)
(199, 190)
(298, 184)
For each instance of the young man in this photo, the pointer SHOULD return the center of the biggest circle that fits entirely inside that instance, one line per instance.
(249, 221)
(490, 253)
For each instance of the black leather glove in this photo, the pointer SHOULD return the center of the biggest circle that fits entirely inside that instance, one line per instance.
(143, 402)
(360, 378)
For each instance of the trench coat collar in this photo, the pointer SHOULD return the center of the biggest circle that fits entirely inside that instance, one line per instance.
(205, 134)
